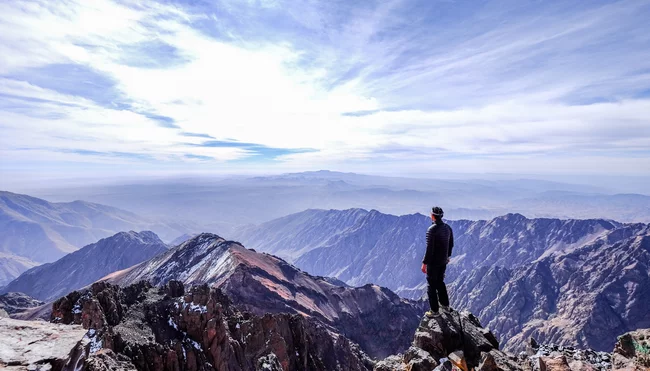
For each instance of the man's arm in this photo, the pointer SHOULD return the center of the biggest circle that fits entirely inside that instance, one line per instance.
(427, 254)
(451, 240)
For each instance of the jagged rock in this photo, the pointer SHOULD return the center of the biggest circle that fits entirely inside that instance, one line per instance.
(201, 330)
(417, 359)
(269, 362)
(632, 351)
(107, 360)
(531, 346)
(487, 363)
(456, 335)
(374, 317)
(557, 363)
(391, 363)
(35, 344)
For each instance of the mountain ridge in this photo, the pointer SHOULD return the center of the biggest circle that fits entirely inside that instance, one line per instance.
(376, 318)
(86, 265)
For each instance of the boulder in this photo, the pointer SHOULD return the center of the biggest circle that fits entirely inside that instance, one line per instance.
(632, 351)
(40, 345)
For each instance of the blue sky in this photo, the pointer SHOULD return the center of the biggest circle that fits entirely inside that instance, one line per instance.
(397, 87)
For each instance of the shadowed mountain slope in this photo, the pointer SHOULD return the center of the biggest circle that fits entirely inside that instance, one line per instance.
(88, 264)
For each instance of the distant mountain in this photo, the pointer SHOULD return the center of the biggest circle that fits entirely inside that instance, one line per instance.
(44, 232)
(86, 265)
(180, 239)
(376, 318)
(221, 205)
(11, 266)
(359, 246)
(497, 269)
(584, 297)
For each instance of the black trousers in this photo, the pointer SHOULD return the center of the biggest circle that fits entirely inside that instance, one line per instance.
(437, 290)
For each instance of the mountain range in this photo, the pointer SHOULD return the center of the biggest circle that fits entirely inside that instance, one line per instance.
(521, 276)
(34, 231)
(222, 204)
(52, 280)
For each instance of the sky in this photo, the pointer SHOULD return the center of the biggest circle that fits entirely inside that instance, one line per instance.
(111, 88)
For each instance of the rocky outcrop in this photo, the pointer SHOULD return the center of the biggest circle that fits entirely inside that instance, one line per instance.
(377, 319)
(632, 351)
(122, 250)
(455, 338)
(551, 357)
(459, 339)
(199, 329)
(17, 302)
(39, 345)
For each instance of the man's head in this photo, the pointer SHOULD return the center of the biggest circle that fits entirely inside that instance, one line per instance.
(436, 213)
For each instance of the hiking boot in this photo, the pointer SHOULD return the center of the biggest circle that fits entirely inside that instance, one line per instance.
(432, 314)
(447, 308)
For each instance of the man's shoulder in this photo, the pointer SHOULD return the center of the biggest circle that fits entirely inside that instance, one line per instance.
(432, 227)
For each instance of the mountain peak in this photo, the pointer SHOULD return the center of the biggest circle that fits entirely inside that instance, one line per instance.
(109, 254)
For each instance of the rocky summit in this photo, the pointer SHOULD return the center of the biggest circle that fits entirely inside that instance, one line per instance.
(170, 328)
(377, 319)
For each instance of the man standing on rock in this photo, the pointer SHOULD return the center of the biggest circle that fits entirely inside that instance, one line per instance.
(440, 241)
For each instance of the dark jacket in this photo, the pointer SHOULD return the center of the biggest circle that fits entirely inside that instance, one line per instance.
(440, 242)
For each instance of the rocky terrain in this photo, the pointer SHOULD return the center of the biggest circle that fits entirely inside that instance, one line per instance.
(548, 278)
(459, 339)
(148, 328)
(173, 327)
(582, 298)
(374, 317)
(88, 264)
(37, 345)
(16, 302)
(39, 231)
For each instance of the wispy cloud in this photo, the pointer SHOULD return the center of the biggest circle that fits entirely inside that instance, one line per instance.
(465, 86)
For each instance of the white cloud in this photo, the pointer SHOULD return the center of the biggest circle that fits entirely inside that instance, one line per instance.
(476, 99)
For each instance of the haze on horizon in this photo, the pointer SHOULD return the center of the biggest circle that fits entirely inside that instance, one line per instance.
(108, 89)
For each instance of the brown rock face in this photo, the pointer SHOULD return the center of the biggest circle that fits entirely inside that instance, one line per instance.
(158, 329)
